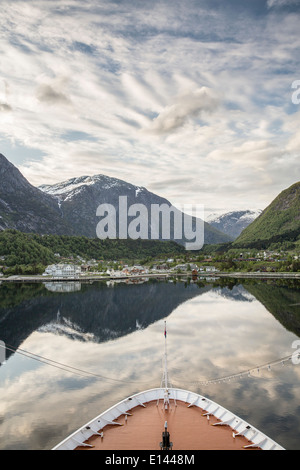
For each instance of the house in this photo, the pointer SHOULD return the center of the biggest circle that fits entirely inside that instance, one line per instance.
(63, 270)
(85, 268)
(138, 270)
(193, 266)
(161, 267)
(210, 269)
(128, 271)
(182, 267)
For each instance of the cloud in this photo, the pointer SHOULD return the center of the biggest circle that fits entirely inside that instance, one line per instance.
(282, 3)
(4, 96)
(158, 94)
(53, 93)
(4, 107)
(256, 154)
(192, 104)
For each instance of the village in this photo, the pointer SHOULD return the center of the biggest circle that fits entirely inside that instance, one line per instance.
(115, 270)
(197, 265)
(76, 267)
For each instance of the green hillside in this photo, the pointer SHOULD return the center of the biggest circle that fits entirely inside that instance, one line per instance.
(18, 248)
(278, 222)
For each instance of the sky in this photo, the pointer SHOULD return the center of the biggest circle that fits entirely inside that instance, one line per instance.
(193, 100)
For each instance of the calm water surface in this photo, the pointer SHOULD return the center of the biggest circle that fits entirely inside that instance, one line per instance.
(116, 331)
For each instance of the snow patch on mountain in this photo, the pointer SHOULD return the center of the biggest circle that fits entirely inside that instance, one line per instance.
(233, 223)
(77, 184)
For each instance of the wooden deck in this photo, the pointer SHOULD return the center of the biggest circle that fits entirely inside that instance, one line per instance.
(188, 428)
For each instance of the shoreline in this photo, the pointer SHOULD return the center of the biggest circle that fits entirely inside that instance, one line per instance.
(166, 275)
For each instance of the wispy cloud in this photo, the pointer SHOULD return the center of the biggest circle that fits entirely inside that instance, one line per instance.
(282, 3)
(53, 93)
(191, 104)
(157, 93)
(4, 105)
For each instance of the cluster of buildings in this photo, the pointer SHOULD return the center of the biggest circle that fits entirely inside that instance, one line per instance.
(195, 269)
(264, 256)
(63, 271)
(58, 271)
(129, 271)
(162, 268)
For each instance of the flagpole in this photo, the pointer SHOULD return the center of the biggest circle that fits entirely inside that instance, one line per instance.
(165, 377)
(166, 357)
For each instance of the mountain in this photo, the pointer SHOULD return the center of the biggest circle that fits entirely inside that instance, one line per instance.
(24, 207)
(79, 198)
(233, 223)
(278, 222)
(69, 208)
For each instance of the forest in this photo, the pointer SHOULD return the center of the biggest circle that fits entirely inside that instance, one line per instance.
(22, 253)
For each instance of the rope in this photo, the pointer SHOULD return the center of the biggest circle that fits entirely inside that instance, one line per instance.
(85, 374)
(65, 367)
(245, 373)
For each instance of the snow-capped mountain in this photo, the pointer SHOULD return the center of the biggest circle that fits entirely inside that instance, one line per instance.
(233, 223)
(79, 198)
(70, 207)
(74, 185)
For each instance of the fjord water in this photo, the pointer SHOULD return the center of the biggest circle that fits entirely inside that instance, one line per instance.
(115, 330)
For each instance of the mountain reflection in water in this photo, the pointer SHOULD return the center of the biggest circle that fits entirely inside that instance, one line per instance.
(97, 311)
(216, 328)
(100, 312)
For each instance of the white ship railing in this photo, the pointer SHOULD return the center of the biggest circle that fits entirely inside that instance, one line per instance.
(239, 426)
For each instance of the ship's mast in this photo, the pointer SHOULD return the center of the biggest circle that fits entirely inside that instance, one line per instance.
(166, 393)
(166, 359)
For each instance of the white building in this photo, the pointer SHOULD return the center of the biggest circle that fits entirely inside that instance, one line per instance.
(211, 269)
(63, 271)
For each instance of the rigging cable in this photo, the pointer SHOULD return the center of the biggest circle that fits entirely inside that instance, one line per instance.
(65, 367)
(84, 373)
(246, 372)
